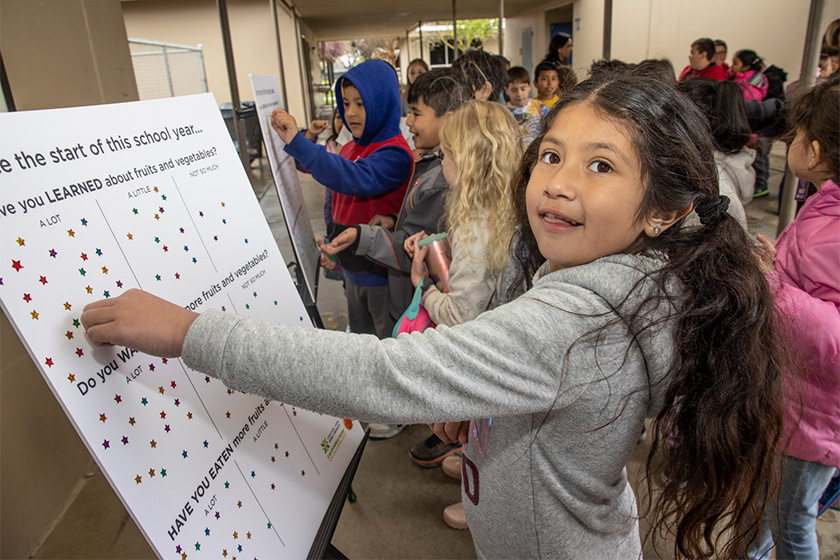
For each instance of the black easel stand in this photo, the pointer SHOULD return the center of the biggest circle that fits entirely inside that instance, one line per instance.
(300, 284)
(322, 548)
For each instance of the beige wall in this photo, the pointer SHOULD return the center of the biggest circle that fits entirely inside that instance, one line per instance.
(57, 54)
(775, 29)
(194, 22)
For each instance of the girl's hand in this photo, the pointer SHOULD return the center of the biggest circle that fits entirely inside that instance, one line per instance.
(419, 272)
(410, 244)
(284, 124)
(766, 255)
(452, 432)
(140, 321)
(340, 242)
(327, 262)
(316, 127)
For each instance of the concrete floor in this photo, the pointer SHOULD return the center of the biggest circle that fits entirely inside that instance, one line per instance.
(398, 511)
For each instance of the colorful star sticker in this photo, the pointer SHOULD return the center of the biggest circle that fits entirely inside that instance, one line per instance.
(119, 284)
(155, 189)
(162, 413)
(227, 414)
(239, 503)
(53, 253)
(76, 323)
(69, 335)
(162, 472)
(88, 289)
(80, 352)
(224, 221)
(223, 204)
(20, 242)
(104, 270)
(164, 360)
(34, 314)
(106, 444)
(138, 479)
(165, 249)
(153, 443)
(124, 440)
(84, 257)
(273, 459)
(218, 515)
(186, 248)
(82, 271)
(253, 474)
(135, 211)
(184, 453)
(181, 230)
(235, 535)
(157, 216)
(160, 209)
(106, 294)
(157, 277)
(16, 265)
(248, 534)
(197, 546)
(98, 252)
(177, 276)
(167, 428)
(206, 532)
(102, 417)
(163, 197)
(84, 222)
(201, 214)
(246, 240)
(144, 401)
(130, 237)
(67, 305)
(177, 402)
(151, 472)
(117, 399)
(71, 233)
(42, 280)
(131, 420)
(272, 487)
(49, 362)
(189, 415)
(151, 367)
(71, 378)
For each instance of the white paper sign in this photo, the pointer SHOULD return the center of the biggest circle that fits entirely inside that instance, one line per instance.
(152, 195)
(267, 98)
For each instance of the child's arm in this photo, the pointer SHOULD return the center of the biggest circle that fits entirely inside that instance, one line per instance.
(471, 284)
(381, 172)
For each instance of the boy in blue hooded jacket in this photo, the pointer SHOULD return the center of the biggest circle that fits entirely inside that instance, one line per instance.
(369, 176)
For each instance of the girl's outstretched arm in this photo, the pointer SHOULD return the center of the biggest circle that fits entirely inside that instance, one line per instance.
(140, 321)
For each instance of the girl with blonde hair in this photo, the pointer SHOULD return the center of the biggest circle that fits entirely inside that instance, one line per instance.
(481, 145)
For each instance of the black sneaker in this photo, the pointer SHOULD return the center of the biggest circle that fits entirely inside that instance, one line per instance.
(431, 452)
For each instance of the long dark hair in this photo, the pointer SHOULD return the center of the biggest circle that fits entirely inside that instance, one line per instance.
(558, 41)
(717, 433)
(723, 105)
(816, 113)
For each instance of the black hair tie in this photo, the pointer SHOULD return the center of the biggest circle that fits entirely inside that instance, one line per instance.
(710, 211)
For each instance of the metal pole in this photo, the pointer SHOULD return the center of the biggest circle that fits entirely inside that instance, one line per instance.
(454, 32)
(234, 88)
(168, 73)
(501, 30)
(203, 71)
(407, 46)
(420, 29)
(279, 52)
(606, 51)
(807, 76)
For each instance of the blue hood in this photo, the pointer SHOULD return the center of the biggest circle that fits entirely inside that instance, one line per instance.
(377, 84)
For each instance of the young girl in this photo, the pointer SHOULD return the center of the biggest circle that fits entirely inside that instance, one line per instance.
(807, 290)
(481, 146)
(627, 315)
(746, 71)
(723, 105)
(415, 68)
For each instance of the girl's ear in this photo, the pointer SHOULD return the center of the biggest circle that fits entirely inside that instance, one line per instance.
(818, 164)
(659, 221)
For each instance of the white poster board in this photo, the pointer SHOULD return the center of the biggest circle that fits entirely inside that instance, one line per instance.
(267, 98)
(152, 195)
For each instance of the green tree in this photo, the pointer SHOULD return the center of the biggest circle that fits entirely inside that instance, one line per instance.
(471, 32)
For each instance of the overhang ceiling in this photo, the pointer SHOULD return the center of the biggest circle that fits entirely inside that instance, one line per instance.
(334, 20)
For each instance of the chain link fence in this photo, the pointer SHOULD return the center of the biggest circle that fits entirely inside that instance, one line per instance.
(167, 70)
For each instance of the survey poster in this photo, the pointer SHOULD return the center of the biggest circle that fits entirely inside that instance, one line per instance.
(267, 98)
(152, 195)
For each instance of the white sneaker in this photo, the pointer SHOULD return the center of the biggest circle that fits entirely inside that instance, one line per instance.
(384, 431)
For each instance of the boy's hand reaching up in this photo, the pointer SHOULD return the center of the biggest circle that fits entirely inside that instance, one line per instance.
(140, 321)
(284, 124)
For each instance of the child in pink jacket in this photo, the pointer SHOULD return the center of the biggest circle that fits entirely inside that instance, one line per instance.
(806, 278)
(746, 72)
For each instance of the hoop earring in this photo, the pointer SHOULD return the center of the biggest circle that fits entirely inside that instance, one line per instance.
(656, 230)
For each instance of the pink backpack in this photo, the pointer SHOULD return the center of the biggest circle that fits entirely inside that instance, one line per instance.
(415, 318)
